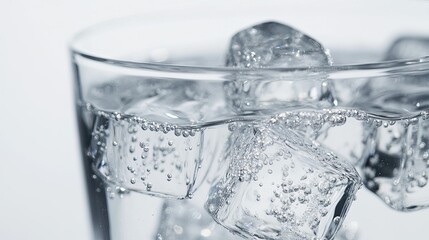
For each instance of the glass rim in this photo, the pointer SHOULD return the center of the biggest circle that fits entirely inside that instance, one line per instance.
(384, 65)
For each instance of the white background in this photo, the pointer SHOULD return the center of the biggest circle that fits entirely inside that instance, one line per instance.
(41, 183)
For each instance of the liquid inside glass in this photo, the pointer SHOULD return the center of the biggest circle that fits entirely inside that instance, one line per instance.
(156, 150)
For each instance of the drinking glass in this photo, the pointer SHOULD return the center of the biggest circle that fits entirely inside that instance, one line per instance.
(156, 117)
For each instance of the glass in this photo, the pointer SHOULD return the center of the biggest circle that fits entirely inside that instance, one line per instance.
(155, 116)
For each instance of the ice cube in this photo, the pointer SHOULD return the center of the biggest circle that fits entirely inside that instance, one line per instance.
(149, 140)
(400, 95)
(182, 220)
(397, 169)
(280, 185)
(408, 48)
(349, 140)
(273, 44)
(148, 157)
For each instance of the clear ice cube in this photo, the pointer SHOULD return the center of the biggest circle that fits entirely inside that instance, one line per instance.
(273, 44)
(147, 138)
(280, 185)
(408, 48)
(398, 169)
(182, 220)
(147, 157)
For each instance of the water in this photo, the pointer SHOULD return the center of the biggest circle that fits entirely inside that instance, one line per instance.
(188, 162)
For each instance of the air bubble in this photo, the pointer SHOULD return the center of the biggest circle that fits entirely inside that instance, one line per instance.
(118, 116)
(132, 149)
(192, 132)
(185, 133)
(177, 132)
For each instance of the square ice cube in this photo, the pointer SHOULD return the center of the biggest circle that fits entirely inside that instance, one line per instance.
(272, 44)
(397, 169)
(408, 48)
(147, 157)
(280, 185)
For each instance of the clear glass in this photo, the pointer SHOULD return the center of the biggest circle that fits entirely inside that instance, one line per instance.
(156, 120)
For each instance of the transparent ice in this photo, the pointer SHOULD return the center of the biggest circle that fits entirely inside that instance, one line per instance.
(408, 48)
(147, 161)
(272, 44)
(396, 168)
(279, 185)
(161, 153)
